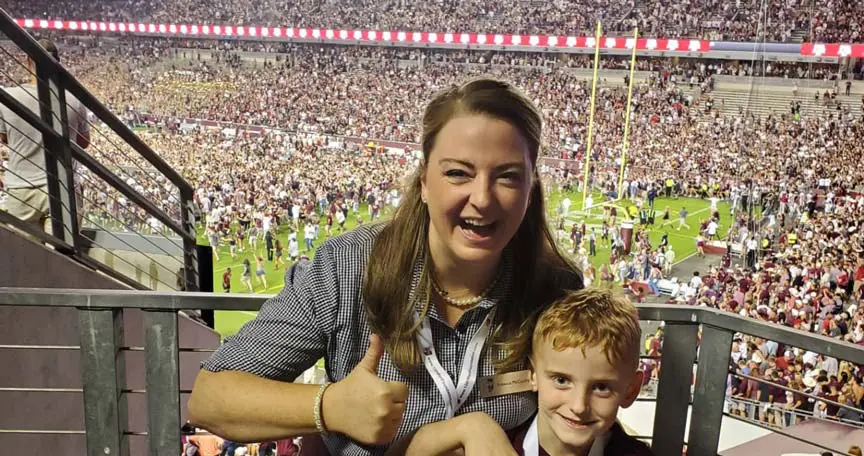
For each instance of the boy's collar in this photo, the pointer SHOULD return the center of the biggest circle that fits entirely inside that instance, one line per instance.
(531, 442)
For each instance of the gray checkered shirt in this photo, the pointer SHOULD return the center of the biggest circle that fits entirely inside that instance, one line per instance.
(320, 313)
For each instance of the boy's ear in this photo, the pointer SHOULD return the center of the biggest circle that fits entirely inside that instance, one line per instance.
(533, 374)
(633, 389)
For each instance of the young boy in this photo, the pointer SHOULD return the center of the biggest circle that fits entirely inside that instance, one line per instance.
(584, 361)
(584, 366)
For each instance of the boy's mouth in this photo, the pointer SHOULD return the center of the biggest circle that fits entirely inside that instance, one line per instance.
(576, 424)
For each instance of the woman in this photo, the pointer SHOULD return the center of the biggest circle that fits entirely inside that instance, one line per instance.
(666, 217)
(213, 237)
(260, 273)
(700, 245)
(246, 278)
(443, 265)
(277, 257)
(654, 279)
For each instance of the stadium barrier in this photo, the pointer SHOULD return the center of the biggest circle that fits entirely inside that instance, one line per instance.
(104, 399)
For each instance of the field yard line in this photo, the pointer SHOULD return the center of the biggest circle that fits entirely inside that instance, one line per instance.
(226, 267)
(251, 314)
(699, 211)
(683, 259)
(571, 215)
(681, 235)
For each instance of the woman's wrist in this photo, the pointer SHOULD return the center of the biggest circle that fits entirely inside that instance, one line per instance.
(440, 437)
(329, 401)
(318, 414)
(463, 426)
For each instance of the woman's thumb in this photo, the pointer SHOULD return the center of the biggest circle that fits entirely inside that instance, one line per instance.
(373, 354)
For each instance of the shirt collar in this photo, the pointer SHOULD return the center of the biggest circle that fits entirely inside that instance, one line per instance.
(531, 443)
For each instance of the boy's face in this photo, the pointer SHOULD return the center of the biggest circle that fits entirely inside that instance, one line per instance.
(579, 395)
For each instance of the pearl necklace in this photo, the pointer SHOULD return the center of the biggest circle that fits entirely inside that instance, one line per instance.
(464, 303)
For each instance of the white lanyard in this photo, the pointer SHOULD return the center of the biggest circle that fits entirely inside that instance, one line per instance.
(454, 395)
(531, 442)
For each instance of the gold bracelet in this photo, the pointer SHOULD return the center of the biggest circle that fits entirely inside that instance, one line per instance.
(319, 421)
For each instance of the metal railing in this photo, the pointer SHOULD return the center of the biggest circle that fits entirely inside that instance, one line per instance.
(99, 179)
(101, 335)
(780, 417)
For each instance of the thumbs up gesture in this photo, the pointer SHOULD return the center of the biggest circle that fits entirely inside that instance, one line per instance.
(362, 406)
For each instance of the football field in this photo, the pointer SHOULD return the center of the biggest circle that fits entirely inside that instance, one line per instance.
(683, 242)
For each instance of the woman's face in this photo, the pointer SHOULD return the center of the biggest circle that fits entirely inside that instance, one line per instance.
(477, 184)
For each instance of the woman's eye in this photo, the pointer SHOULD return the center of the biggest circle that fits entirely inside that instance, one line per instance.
(457, 173)
(511, 176)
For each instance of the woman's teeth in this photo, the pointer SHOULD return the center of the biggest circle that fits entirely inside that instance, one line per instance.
(477, 228)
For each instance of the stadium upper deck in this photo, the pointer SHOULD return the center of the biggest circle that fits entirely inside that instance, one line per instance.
(742, 20)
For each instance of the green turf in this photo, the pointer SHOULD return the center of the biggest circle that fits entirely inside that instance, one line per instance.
(683, 242)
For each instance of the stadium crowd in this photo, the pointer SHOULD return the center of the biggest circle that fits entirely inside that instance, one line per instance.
(802, 261)
(801, 266)
(742, 20)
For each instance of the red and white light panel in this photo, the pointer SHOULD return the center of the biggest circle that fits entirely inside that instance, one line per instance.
(832, 50)
(488, 39)
(482, 39)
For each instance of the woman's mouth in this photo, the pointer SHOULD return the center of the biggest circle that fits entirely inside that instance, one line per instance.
(477, 230)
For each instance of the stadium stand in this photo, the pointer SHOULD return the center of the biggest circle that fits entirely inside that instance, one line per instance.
(306, 131)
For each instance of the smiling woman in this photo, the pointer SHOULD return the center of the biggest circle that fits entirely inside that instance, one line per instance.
(464, 267)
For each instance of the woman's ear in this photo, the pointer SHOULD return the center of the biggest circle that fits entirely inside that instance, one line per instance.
(423, 191)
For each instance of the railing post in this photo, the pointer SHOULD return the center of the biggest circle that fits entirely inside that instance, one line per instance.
(710, 395)
(103, 374)
(191, 270)
(60, 196)
(162, 367)
(673, 391)
(67, 173)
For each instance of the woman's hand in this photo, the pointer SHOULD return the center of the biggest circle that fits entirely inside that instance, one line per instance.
(482, 435)
(362, 406)
(473, 434)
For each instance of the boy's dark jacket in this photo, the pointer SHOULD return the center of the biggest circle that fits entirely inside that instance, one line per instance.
(620, 444)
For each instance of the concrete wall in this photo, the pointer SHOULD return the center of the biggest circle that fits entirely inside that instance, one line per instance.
(25, 264)
(639, 419)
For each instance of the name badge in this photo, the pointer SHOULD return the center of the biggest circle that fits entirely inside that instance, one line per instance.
(509, 383)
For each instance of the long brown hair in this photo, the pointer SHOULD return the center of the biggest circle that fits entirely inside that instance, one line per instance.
(543, 274)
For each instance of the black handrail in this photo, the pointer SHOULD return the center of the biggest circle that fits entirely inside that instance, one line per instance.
(61, 152)
(794, 391)
(22, 39)
(118, 184)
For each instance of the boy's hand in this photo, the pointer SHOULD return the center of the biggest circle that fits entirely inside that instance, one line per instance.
(482, 435)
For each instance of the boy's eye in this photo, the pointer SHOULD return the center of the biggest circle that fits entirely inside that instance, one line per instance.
(602, 389)
(559, 380)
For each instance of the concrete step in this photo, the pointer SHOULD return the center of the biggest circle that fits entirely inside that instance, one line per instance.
(764, 102)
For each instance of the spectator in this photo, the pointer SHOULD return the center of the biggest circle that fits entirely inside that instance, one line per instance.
(26, 179)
